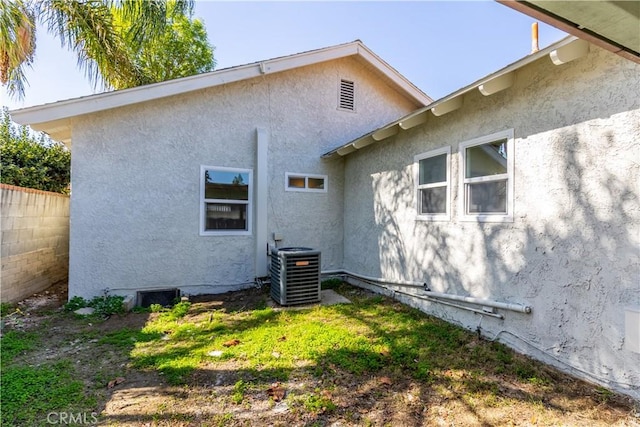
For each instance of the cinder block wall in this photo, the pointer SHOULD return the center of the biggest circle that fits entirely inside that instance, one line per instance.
(35, 241)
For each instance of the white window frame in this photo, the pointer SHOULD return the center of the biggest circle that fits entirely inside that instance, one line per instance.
(306, 177)
(203, 203)
(446, 216)
(463, 195)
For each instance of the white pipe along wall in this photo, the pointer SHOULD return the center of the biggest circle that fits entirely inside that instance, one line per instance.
(433, 295)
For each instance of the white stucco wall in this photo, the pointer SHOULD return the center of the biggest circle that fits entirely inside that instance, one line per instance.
(572, 251)
(136, 177)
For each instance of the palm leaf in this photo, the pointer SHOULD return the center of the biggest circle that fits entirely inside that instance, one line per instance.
(106, 49)
(17, 44)
(87, 28)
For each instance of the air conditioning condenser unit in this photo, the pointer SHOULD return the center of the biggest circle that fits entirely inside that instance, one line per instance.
(295, 276)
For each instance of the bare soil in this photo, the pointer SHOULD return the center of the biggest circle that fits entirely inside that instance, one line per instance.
(134, 397)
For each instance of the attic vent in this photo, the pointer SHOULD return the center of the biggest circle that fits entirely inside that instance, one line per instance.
(347, 95)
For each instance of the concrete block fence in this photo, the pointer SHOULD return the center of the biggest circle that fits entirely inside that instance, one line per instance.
(34, 241)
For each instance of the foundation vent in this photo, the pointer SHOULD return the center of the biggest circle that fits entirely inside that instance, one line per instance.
(295, 276)
(164, 297)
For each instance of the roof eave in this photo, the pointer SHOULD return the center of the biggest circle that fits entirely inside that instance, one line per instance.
(42, 116)
(449, 102)
(573, 28)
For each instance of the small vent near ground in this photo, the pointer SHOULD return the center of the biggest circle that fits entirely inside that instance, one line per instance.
(164, 297)
(347, 95)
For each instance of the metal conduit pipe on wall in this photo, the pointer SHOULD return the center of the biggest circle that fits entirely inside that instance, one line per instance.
(434, 296)
(450, 304)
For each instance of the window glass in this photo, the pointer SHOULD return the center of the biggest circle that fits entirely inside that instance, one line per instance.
(226, 216)
(432, 184)
(489, 197)
(486, 185)
(433, 200)
(433, 169)
(226, 185)
(296, 182)
(225, 201)
(316, 183)
(486, 159)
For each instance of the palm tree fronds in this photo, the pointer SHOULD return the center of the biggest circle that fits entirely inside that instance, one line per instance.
(108, 37)
(88, 29)
(17, 44)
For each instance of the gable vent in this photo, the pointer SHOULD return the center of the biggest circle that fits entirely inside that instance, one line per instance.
(347, 95)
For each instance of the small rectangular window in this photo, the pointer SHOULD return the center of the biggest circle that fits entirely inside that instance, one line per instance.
(225, 201)
(487, 178)
(305, 182)
(432, 184)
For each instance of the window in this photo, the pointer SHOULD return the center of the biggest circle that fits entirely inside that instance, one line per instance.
(225, 201)
(346, 98)
(432, 180)
(305, 182)
(487, 178)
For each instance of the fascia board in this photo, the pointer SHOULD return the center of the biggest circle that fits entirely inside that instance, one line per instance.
(541, 13)
(389, 72)
(308, 58)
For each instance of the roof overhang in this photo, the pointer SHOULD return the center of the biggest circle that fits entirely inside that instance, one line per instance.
(563, 51)
(612, 25)
(56, 118)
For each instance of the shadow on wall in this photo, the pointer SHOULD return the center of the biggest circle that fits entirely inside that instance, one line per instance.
(572, 251)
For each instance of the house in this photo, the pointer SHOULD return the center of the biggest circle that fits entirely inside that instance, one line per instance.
(184, 184)
(510, 207)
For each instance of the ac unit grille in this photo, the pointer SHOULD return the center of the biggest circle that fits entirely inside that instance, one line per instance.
(295, 276)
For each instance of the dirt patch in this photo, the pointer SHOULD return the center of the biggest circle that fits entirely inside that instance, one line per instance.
(32, 311)
(128, 396)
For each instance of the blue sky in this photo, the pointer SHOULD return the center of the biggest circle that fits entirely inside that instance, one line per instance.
(439, 46)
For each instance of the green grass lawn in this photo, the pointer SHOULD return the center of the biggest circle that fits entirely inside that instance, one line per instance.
(361, 337)
(374, 337)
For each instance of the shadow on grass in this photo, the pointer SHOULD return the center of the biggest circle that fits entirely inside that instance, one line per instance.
(375, 356)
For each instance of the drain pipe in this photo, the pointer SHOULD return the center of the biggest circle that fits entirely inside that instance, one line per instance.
(433, 296)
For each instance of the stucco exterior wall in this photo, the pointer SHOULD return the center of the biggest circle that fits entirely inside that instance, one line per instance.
(136, 178)
(35, 241)
(572, 251)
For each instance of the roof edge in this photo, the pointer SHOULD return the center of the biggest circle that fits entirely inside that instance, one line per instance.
(371, 137)
(571, 27)
(40, 116)
(405, 84)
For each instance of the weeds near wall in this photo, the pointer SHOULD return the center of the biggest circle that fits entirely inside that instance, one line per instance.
(103, 306)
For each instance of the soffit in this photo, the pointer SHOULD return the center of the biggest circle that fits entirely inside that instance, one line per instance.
(614, 25)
